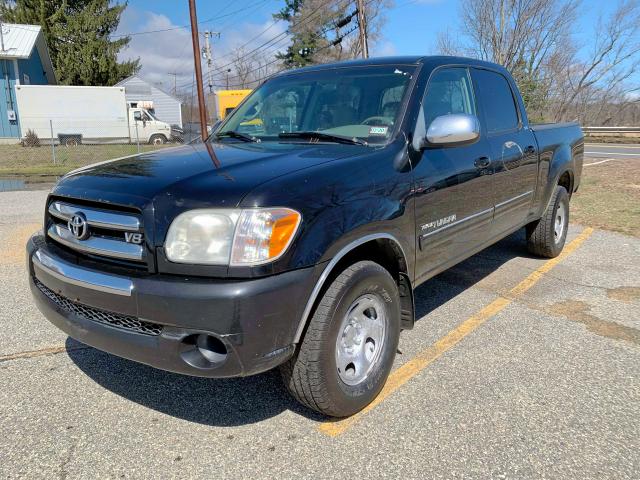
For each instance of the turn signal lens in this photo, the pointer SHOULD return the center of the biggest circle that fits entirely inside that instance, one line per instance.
(262, 235)
(282, 232)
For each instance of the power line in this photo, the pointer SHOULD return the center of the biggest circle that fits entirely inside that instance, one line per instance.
(180, 27)
(279, 39)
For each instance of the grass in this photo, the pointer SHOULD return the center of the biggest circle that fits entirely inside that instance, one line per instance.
(18, 160)
(609, 197)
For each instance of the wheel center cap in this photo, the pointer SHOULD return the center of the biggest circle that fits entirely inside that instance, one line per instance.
(352, 335)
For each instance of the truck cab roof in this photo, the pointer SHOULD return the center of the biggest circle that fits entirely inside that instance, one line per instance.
(431, 60)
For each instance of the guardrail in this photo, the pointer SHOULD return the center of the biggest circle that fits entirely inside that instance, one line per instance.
(612, 131)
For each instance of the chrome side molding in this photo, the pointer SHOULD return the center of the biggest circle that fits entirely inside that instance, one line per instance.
(97, 245)
(95, 217)
(79, 276)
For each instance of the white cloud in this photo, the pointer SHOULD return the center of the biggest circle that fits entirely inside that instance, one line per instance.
(171, 51)
(384, 49)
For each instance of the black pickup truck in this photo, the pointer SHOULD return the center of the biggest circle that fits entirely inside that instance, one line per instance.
(296, 234)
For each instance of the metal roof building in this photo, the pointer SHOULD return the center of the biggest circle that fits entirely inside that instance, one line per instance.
(166, 108)
(24, 60)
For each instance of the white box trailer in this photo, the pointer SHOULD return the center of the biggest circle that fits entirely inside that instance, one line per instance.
(79, 114)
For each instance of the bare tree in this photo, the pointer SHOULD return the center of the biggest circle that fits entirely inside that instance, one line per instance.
(606, 76)
(535, 41)
(249, 69)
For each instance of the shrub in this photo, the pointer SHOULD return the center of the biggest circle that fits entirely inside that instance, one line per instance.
(31, 139)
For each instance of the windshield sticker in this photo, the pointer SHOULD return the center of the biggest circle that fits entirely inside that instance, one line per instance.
(378, 130)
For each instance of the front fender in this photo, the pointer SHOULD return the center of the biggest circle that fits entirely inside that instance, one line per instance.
(342, 201)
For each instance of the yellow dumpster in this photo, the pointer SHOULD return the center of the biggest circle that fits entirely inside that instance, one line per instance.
(227, 100)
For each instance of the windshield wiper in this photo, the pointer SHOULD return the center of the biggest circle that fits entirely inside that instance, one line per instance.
(323, 136)
(238, 135)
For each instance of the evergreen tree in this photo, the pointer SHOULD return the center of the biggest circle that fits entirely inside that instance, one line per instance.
(78, 34)
(303, 41)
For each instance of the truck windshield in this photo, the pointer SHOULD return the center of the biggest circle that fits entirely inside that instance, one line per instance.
(359, 103)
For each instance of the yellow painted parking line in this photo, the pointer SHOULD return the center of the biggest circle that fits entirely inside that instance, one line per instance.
(408, 370)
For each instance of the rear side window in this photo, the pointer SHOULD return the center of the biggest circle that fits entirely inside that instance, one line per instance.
(496, 101)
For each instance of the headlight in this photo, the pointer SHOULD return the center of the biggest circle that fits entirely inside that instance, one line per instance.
(231, 237)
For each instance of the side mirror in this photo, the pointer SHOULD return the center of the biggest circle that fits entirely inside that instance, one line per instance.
(453, 129)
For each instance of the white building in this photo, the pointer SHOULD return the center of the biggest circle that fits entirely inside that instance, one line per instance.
(166, 108)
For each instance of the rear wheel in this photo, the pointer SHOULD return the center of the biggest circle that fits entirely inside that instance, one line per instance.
(349, 347)
(546, 237)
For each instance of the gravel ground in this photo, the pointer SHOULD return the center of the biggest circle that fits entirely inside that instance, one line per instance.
(548, 387)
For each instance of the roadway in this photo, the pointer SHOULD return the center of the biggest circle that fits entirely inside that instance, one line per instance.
(612, 150)
(518, 367)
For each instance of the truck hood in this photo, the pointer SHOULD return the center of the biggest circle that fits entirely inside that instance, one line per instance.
(195, 176)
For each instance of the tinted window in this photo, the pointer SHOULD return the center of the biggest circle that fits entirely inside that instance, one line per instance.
(496, 100)
(449, 91)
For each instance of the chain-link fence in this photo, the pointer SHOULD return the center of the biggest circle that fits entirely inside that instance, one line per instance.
(55, 146)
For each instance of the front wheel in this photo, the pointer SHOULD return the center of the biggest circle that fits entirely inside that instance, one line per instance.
(546, 237)
(350, 344)
(157, 139)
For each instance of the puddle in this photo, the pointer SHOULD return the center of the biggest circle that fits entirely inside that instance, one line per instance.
(624, 294)
(578, 311)
(13, 184)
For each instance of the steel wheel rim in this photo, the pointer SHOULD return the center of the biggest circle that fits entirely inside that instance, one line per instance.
(361, 339)
(559, 223)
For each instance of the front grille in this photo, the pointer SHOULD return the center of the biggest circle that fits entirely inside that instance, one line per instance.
(123, 322)
(97, 231)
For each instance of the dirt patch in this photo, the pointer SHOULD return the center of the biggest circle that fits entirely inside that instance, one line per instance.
(578, 311)
(14, 242)
(624, 294)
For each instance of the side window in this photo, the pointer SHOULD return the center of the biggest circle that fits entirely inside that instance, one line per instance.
(449, 91)
(137, 116)
(496, 100)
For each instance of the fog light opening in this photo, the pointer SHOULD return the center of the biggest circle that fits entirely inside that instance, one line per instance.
(204, 351)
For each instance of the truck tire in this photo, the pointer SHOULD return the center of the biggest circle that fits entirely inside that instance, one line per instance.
(350, 344)
(546, 237)
(157, 139)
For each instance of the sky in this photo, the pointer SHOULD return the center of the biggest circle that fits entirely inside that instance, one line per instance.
(412, 27)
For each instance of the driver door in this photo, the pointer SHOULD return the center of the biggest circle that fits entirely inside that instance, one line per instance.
(140, 126)
(453, 183)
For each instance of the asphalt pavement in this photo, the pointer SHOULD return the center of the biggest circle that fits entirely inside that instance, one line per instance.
(612, 150)
(518, 367)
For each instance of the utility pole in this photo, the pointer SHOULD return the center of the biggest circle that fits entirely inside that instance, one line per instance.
(362, 27)
(198, 68)
(208, 55)
(175, 76)
(1, 38)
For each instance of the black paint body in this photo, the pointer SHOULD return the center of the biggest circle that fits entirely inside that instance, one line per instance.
(344, 193)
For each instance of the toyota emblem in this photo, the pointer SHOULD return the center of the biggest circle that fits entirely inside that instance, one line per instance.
(78, 226)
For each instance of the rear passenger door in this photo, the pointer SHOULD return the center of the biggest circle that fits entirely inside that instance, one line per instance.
(513, 150)
(453, 184)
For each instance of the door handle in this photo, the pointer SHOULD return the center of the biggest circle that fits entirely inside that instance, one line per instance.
(482, 162)
(530, 150)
